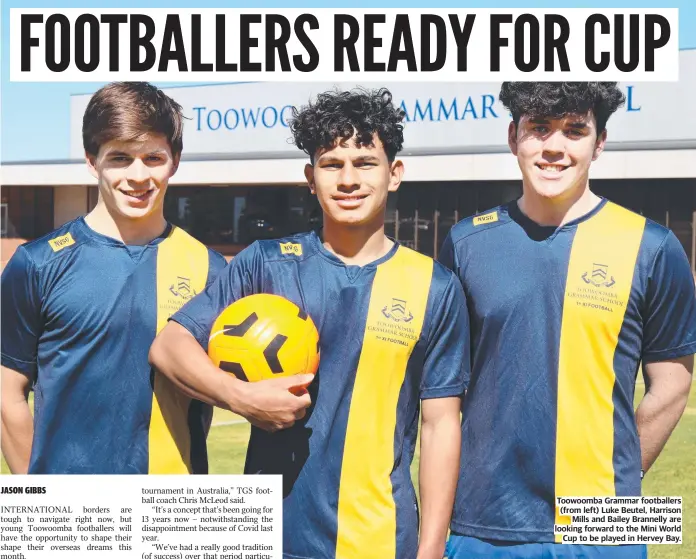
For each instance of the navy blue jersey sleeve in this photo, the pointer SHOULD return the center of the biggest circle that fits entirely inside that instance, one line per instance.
(216, 265)
(21, 314)
(446, 369)
(670, 321)
(237, 280)
(446, 254)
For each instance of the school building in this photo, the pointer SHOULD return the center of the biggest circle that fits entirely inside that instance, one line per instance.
(241, 179)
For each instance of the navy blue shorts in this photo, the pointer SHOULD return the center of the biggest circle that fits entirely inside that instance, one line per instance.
(465, 547)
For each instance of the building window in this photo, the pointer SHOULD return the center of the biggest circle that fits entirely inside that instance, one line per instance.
(419, 214)
(230, 218)
(3, 219)
(27, 211)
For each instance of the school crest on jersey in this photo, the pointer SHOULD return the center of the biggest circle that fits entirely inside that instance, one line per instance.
(599, 277)
(182, 288)
(398, 311)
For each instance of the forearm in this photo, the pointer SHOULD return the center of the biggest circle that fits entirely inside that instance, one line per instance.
(17, 434)
(268, 404)
(177, 355)
(439, 470)
(656, 417)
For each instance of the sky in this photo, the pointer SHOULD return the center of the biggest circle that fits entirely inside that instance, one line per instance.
(35, 117)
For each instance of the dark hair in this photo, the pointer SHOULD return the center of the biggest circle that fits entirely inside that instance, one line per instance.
(555, 99)
(339, 115)
(129, 111)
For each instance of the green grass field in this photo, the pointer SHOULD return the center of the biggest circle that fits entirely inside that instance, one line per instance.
(672, 474)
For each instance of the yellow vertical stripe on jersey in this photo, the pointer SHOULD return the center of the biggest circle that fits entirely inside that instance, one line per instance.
(182, 270)
(366, 508)
(600, 276)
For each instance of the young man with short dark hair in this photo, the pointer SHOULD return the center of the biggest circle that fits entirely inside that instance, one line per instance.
(568, 293)
(388, 319)
(82, 305)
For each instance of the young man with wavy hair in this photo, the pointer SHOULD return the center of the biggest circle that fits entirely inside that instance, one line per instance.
(390, 321)
(568, 293)
(82, 305)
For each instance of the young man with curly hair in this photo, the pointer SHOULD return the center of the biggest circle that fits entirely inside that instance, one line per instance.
(390, 323)
(568, 293)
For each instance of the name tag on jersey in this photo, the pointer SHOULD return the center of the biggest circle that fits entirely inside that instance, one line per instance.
(59, 243)
(486, 218)
(291, 248)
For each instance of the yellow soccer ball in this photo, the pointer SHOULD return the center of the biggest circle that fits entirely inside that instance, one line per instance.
(264, 336)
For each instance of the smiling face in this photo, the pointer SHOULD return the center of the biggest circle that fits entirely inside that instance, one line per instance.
(352, 183)
(554, 155)
(133, 176)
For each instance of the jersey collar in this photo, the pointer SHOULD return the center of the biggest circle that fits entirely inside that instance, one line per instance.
(331, 257)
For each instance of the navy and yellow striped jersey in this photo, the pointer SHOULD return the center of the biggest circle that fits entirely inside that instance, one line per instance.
(560, 320)
(390, 335)
(79, 313)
